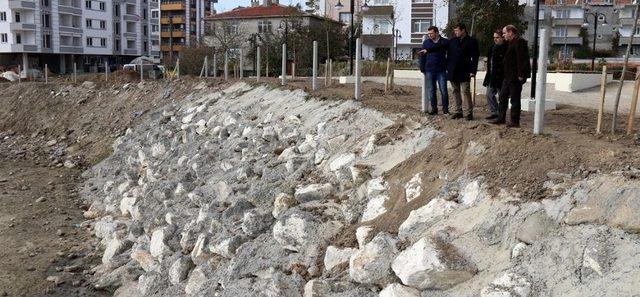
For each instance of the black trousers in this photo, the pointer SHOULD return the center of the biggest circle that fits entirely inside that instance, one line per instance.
(510, 90)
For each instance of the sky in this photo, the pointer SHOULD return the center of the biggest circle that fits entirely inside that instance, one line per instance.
(226, 5)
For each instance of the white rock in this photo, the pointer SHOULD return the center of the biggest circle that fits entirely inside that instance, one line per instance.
(157, 247)
(518, 249)
(362, 235)
(376, 186)
(127, 202)
(426, 265)
(298, 230)
(188, 118)
(398, 290)
(158, 150)
(146, 260)
(507, 285)
(335, 256)
(115, 246)
(414, 187)
(336, 142)
(472, 193)
(375, 208)
(308, 145)
(105, 227)
(197, 280)
(313, 192)
(179, 270)
(421, 219)
(200, 252)
(282, 202)
(201, 127)
(369, 147)
(372, 263)
(227, 247)
(342, 161)
(320, 156)
(269, 133)
(288, 154)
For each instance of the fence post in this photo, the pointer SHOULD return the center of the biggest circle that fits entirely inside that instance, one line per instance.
(19, 75)
(241, 67)
(258, 63)
(634, 103)
(206, 66)
(178, 66)
(284, 64)
(226, 65)
(358, 90)
(424, 93)
(215, 66)
(46, 73)
(315, 66)
(106, 71)
(538, 119)
(141, 71)
(330, 71)
(603, 93)
(75, 73)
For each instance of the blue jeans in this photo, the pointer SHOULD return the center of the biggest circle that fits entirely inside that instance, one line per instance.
(491, 99)
(441, 79)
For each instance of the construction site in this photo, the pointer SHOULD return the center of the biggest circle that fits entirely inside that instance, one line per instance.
(205, 187)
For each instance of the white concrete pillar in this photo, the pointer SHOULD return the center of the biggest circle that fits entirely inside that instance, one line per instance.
(226, 65)
(258, 64)
(206, 66)
(241, 64)
(358, 78)
(541, 86)
(314, 84)
(284, 64)
(63, 64)
(75, 72)
(25, 65)
(425, 94)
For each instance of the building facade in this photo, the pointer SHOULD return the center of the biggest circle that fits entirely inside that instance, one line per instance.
(86, 32)
(182, 24)
(394, 28)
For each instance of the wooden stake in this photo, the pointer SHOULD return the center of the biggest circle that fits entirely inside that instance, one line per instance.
(603, 92)
(634, 103)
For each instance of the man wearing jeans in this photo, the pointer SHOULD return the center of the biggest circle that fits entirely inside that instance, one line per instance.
(433, 63)
(462, 60)
(495, 72)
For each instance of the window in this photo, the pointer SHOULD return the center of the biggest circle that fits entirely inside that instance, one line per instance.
(560, 32)
(380, 2)
(117, 44)
(116, 10)
(601, 18)
(145, 46)
(144, 14)
(131, 44)
(4, 38)
(87, 4)
(560, 2)
(17, 18)
(155, 42)
(116, 28)
(18, 38)
(264, 27)
(563, 13)
(89, 23)
(637, 31)
(421, 26)
(422, 1)
(144, 30)
(155, 14)
(103, 24)
(76, 41)
(599, 36)
(3, 16)
(44, 3)
(103, 6)
(345, 17)
(89, 41)
(154, 28)
(103, 42)
(46, 20)
(46, 41)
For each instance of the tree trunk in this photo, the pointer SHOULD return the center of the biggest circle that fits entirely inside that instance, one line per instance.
(624, 70)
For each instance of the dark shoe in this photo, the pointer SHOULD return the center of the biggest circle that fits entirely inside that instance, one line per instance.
(432, 113)
(456, 116)
(491, 117)
(469, 117)
(497, 122)
(513, 125)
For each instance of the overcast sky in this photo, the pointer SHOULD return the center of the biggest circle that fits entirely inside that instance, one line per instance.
(225, 5)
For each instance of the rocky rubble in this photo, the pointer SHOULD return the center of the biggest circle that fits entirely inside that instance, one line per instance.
(245, 192)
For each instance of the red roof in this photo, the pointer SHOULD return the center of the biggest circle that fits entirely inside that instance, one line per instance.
(273, 10)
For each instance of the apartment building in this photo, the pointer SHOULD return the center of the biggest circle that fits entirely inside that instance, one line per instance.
(86, 32)
(182, 24)
(626, 15)
(342, 14)
(395, 28)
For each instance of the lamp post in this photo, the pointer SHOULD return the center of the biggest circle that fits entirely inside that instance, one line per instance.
(284, 27)
(534, 66)
(596, 15)
(352, 5)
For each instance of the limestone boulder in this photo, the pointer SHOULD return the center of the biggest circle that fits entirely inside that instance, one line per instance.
(313, 192)
(335, 256)
(307, 224)
(507, 285)
(398, 290)
(372, 263)
(423, 218)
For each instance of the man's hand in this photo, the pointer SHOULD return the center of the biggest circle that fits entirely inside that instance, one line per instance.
(422, 52)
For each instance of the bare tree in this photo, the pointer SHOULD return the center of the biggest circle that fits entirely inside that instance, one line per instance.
(224, 35)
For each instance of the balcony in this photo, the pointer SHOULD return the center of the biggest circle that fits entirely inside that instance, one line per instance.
(24, 48)
(378, 10)
(176, 20)
(625, 40)
(377, 39)
(175, 33)
(626, 21)
(568, 22)
(172, 5)
(22, 4)
(573, 40)
(22, 27)
(176, 48)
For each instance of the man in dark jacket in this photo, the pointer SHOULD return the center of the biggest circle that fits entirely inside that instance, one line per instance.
(517, 69)
(495, 72)
(462, 66)
(433, 63)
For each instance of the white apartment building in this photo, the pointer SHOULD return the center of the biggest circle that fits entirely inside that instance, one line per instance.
(396, 27)
(86, 32)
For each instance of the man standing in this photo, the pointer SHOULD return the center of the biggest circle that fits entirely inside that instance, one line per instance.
(517, 69)
(433, 63)
(462, 66)
(495, 72)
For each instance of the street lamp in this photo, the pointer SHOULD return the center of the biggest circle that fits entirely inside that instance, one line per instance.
(596, 15)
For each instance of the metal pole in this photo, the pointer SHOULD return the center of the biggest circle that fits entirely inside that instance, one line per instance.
(258, 64)
(358, 87)
(241, 65)
(284, 64)
(226, 65)
(351, 33)
(595, 34)
(538, 120)
(315, 66)
(534, 68)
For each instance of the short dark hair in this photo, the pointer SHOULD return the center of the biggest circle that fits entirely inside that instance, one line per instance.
(511, 28)
(433, 28)
(460, 26)
(498, 31)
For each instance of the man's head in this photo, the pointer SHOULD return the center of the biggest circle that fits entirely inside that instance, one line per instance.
(433, 32)
(509, 32)
(497, 37)
(460, 30)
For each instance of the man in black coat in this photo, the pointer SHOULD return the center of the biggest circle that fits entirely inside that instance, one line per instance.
(462, 66)
(517, 68)
(495, 72)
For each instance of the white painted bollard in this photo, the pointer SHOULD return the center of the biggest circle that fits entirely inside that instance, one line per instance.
(46, 73)
(258, 64)
(284, 64)
(241, 65)
(226, 65)
(106, 71)
(538, 120)
(425, 94)
(358, 87)
(206, 66)
(75, 73)
(178, 67)
(215, 66)
(141, 71)
(315, 66)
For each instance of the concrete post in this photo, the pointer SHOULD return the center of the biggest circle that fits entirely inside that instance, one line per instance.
(19, 76)
(358, 87)
(315, 66)
(75, 73)
(178, 67)
(25, 65)
(206, 66)
(106, 71)
(258, 64)
(538, 120)
(141, 71)
(241, 65)
(284, 64)
(226, 65)
(63, 64)
(425, 94)
(215, 66)
(46, 73)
